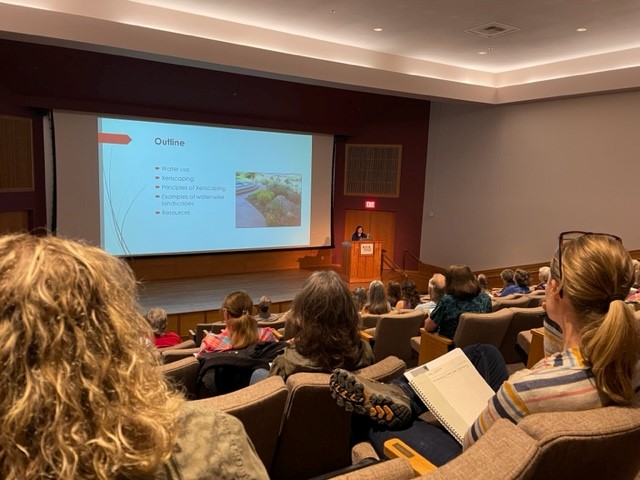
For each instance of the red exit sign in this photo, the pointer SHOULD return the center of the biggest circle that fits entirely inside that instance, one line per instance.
(369, 204)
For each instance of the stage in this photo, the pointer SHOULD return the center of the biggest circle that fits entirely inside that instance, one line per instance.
(187, 295)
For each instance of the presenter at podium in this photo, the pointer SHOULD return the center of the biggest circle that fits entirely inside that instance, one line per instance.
(358, 234)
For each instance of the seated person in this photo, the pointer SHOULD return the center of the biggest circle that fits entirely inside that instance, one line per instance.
(462, 294)
(80, 395)
(508, 282)
(359, 296)
(157, 318)
(523, 280)
(325, 332)
(394, 293)
(264, 313)
(483, 281)
(230, 370)
(410, 296)
(599, 363)
(235, 307)
(377, 303)
(436, 290)
(544, 273)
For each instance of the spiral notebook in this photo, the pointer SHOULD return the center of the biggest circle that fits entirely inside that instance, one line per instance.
(452, 389)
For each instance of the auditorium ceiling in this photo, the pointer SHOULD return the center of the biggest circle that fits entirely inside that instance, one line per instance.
(490, 51)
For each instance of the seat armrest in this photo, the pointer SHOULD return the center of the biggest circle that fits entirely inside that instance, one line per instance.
(396, 448)
(432, 346)
(536, 349)
(366, 336)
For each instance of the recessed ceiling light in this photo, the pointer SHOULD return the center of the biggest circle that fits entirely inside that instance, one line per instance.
(377, 29)
(332, 11)
(581, 29)
(482, 52)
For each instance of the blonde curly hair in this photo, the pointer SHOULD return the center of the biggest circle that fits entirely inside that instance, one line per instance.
(80, 397)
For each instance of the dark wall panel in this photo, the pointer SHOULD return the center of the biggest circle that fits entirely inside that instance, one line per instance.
(41, 77)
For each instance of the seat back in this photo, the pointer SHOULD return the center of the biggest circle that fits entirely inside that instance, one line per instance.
(183, 374)
(482, 328)
(598, 443)
(260, 408)
(216, 327)
(537, 297)
(316, 434)
(368, 320)
(171, 355)
(276, 324)
(179, 346)
(393, 335)
(523, 318)
(508, 301)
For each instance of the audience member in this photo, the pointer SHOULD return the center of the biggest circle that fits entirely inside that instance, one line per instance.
(236, 311)
(359, 296)
(80, 397)
(377, 303)
(521, 285)
(463, 294)
(264, 310)
(599, 365)
(230, 370)
(410, 295)
(544, 273)
(325, 329)
(157, 318)
(358, 234)
(394, 293)
(507, 281)
(483, 281)
(436, 290)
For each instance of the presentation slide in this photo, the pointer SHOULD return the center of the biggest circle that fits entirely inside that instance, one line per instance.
(171, 188)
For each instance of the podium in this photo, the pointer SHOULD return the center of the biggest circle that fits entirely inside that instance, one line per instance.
(361, 260)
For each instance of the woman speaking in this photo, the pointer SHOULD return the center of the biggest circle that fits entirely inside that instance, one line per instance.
(358, 234)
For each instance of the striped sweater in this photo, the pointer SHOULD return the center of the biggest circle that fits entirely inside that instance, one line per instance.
(560, 382)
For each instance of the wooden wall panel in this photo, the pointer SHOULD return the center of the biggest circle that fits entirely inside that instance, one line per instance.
(14, 222)
(16, 154)
(193, 266)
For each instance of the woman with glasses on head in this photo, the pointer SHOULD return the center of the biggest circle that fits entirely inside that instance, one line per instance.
(591, 275)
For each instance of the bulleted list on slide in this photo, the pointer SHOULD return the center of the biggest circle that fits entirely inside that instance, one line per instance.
(178, 191)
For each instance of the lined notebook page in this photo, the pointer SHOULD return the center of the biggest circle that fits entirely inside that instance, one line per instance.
(452, 389)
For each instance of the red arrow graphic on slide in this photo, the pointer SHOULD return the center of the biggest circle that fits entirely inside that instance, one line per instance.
(119, 138)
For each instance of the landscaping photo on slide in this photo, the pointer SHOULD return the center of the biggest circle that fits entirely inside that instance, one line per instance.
(267, 199)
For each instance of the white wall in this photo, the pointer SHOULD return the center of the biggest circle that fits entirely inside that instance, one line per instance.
(503, 181)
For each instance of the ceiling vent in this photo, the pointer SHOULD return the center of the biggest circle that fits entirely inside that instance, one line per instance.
(492, 30)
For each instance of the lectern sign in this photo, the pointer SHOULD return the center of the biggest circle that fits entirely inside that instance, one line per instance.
(366, 248)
